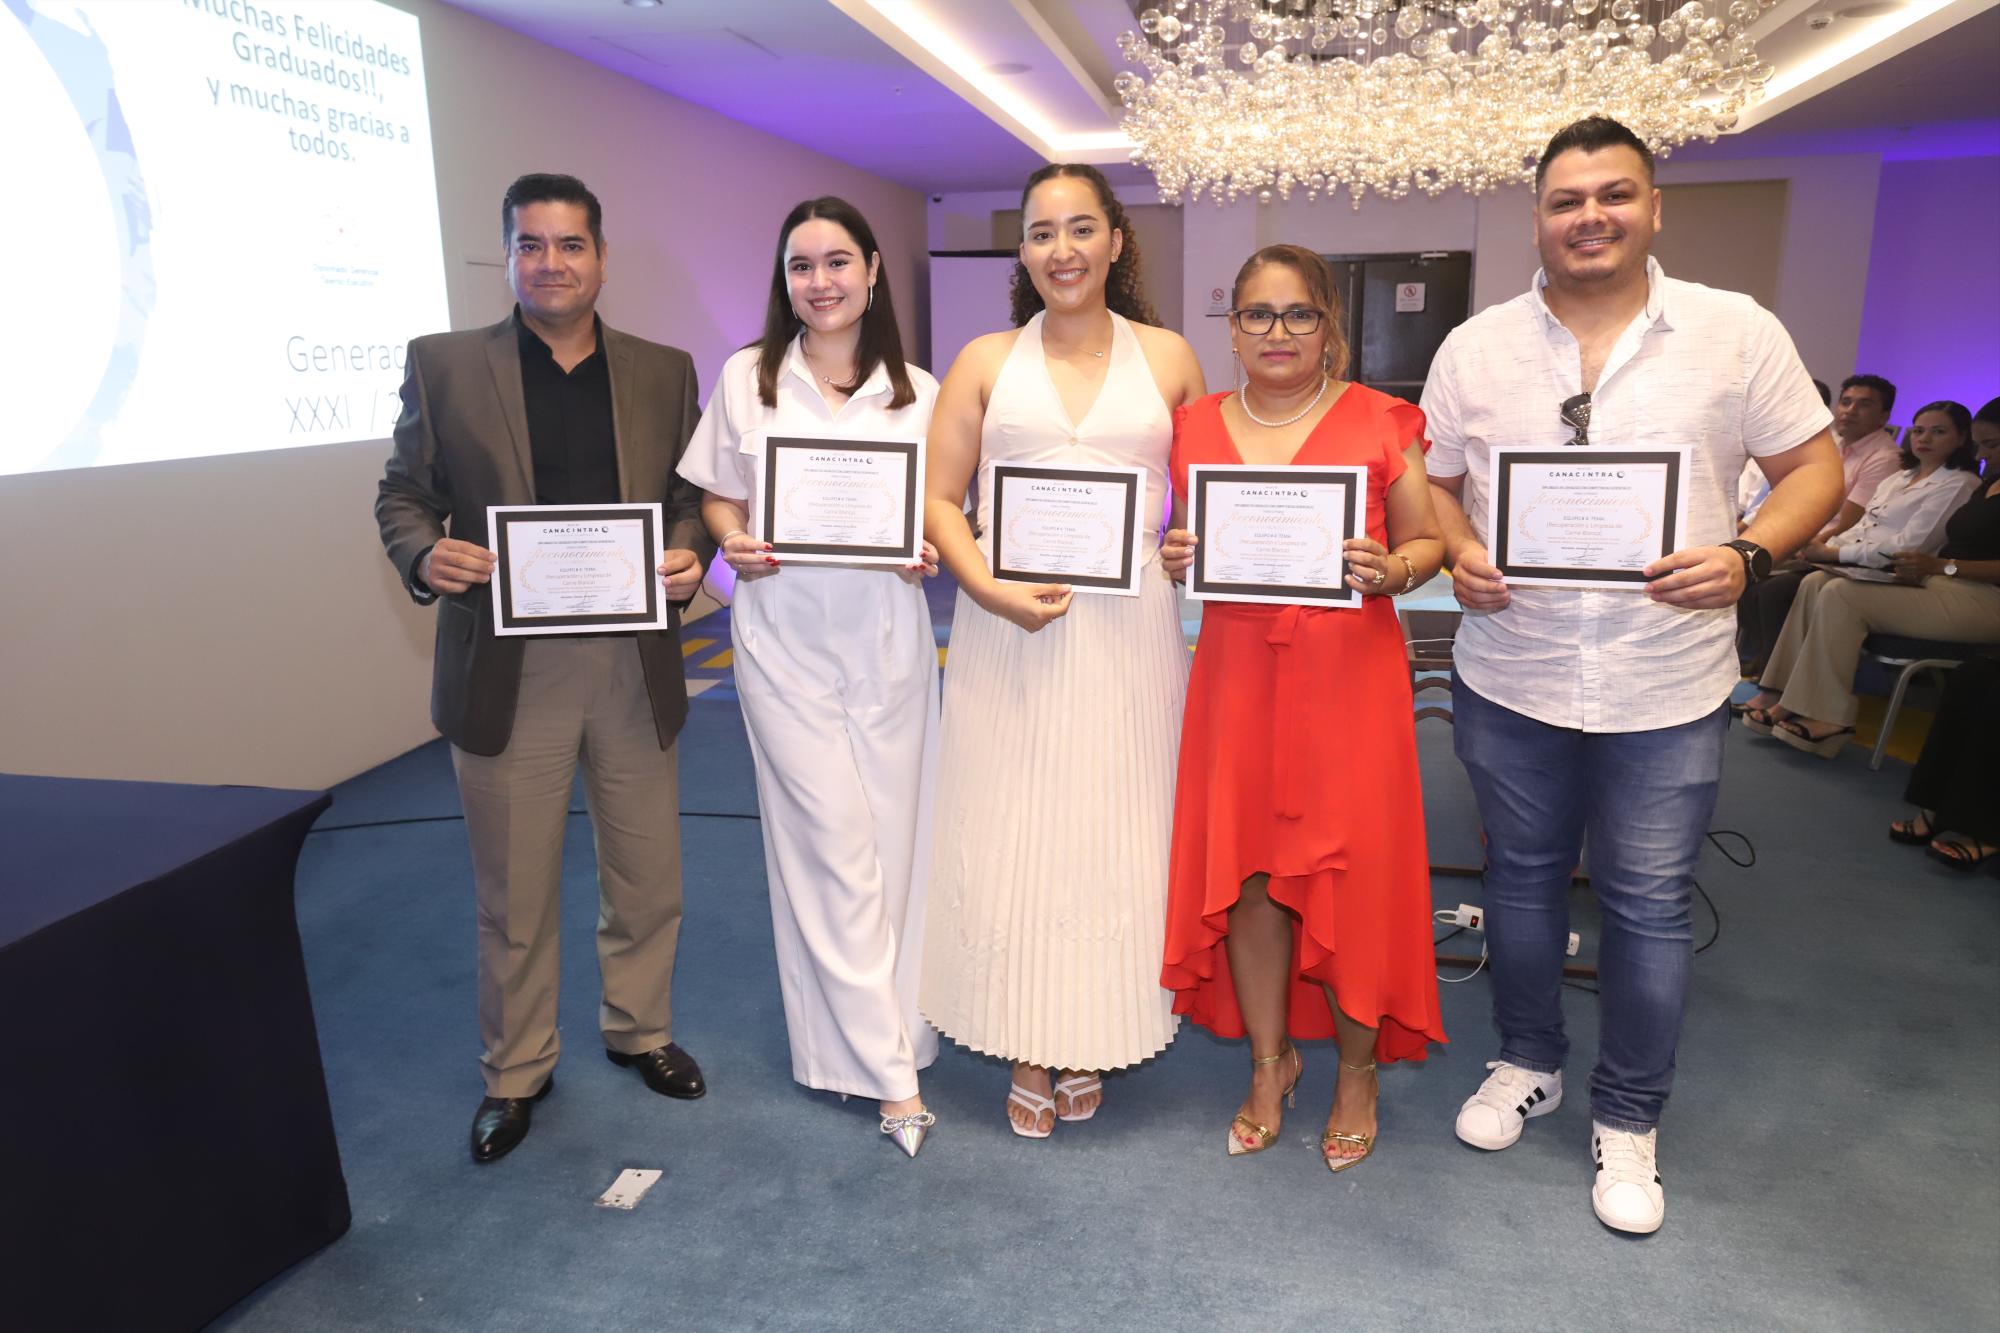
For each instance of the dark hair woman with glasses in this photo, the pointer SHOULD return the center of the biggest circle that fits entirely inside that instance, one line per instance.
(1299, 898)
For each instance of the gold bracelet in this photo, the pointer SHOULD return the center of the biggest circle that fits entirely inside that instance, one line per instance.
(1410, 576)
(733, 532)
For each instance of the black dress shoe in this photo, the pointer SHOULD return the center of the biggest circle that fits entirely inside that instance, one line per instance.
(668, 1070)
(502, 1122)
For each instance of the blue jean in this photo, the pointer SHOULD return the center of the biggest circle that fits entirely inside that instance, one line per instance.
(1643, 799)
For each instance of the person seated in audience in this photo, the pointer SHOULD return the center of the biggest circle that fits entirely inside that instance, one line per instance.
(1751, 484)
(1807, 697)
(1986, 439)
(1868, 457)
(1956, 783)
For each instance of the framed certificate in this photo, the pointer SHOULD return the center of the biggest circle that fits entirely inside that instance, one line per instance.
(1585, 518)
(576, 569)
(826, 500)
(1053, 523)
(1268, 534)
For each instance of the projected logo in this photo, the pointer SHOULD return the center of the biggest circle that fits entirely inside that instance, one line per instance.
(92, 166)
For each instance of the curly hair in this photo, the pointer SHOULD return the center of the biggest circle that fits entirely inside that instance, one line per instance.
(1125, 288)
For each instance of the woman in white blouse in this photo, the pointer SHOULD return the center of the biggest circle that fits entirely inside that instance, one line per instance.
(1806, 699)
(836, 670)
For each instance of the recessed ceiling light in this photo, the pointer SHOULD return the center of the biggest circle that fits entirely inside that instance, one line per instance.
(643, 4)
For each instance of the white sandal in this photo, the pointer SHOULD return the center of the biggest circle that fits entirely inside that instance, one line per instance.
(1080, 1085)
(1034, 1105)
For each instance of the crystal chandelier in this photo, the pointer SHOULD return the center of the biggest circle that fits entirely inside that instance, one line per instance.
(1255, 97)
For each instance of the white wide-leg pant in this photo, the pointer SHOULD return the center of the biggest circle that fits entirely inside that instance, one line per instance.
(838, 677)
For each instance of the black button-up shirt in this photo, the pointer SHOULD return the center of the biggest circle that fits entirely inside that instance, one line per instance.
(569, 423)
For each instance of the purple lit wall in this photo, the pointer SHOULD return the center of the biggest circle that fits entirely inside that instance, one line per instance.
(1930, 319)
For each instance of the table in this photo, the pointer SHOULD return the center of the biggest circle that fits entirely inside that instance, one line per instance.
(166, 1144)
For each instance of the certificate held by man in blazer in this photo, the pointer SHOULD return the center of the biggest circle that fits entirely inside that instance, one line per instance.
(550, 407)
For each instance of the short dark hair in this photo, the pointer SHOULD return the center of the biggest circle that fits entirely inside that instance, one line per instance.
(1883, 389)
(541, 187)
(1321, 286)
(1125, 288)
(1590, 135)
(1965, 458)
(1990, 414)
(1825, 393)
(881, 342)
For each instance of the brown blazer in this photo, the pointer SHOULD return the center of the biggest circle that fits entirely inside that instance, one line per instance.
(461, 444)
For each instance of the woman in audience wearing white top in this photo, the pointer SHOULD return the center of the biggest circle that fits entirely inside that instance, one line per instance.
(836, 670)
(1807, 697)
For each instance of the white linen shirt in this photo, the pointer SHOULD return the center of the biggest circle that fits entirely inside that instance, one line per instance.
(1905, 515)
(721, 458)
(1698, 366)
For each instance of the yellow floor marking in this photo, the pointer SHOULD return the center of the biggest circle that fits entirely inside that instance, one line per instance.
(689, 647)
(721, 659)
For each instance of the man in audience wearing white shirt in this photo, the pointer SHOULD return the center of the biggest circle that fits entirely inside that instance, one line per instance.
(1601, 710)
(1868, 457)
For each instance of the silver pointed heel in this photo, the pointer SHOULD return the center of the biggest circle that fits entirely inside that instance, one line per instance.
(907, 1131)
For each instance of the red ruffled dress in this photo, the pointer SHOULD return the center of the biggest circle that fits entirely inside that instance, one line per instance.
(1299, 759)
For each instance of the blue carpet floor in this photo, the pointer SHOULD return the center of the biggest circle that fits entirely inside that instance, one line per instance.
(1829, 1152)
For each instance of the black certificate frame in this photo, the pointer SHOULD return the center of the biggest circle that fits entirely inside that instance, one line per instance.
(1502, 529)
(1342, 596)
(907, 453)
(1003, 473)
(505, 617)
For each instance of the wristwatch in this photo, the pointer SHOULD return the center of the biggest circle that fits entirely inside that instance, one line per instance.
(1756, 561)
(1951, 569)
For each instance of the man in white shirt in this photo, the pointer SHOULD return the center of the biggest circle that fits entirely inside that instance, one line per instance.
(1600, 711)
(1868, 457)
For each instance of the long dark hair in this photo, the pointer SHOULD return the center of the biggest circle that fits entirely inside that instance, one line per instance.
(1965, 458)
(881, 342)
(1125, 288)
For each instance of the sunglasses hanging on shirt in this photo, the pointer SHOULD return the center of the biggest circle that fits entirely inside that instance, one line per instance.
(1576, 415)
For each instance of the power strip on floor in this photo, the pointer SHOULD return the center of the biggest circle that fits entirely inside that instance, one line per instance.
(1472, 917)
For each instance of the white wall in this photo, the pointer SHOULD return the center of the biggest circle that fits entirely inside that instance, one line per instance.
(232, 619)
(1933, 305)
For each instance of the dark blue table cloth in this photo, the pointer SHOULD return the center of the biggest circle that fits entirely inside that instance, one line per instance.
(166, 1145)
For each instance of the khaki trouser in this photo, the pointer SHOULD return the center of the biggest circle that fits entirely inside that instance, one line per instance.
(582, 697)
(1816, 655)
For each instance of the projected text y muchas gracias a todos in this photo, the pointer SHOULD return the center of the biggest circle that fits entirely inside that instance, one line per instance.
(314, 52)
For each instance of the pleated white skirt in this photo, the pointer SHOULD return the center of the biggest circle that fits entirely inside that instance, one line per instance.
(1054, 821)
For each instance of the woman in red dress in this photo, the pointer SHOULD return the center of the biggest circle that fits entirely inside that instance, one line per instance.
(1299, 904)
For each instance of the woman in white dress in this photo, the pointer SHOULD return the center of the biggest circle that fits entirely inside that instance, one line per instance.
(836, 669)
(1062, 712)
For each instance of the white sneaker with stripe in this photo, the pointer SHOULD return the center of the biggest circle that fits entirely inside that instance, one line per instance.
(1510, 1097)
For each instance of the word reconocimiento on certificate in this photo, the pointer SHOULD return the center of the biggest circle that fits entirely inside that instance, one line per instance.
(1585, 518)
(1274, 534)
(1054, 523)
(827, 500)
(576, 569)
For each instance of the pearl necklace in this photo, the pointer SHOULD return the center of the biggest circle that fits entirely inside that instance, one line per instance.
(1243, 401)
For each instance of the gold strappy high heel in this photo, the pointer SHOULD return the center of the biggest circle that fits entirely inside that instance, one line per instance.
(1265, 1137)
(1331, 1137)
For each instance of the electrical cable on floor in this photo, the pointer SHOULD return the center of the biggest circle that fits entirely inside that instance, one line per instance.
(448, 819)
(1747, 860)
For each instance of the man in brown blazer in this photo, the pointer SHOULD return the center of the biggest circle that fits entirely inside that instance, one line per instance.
(550, 407)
